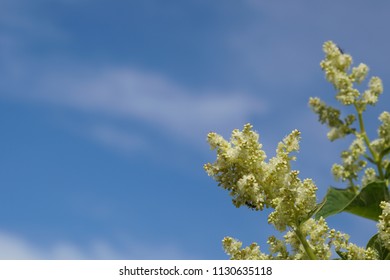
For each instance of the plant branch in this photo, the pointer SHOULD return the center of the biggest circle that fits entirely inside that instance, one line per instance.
(306, 246)
(377, 159)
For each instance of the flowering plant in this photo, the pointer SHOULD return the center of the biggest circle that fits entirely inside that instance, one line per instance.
(252, 181)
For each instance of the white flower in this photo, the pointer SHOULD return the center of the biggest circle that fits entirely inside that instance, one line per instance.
(384, 224)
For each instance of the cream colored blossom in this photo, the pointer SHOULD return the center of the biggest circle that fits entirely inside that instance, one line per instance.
(348, 250)
(232, 247)
(369, 176)
(255, 183)
(384, 224)
(317, 235)
(359, 73)
(278, 249)
(252, 180)
(331, 117)
(242, 169)
(352, 163)
(384, 128)
(336, 66)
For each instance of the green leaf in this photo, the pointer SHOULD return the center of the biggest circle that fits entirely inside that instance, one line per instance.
(364, 203)
(377, 244)
(336, 200)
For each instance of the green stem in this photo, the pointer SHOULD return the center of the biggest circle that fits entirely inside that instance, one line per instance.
(376, 158)
(306, 246)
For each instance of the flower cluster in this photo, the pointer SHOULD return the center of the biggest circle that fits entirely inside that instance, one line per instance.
(350, 251)
(241, 169)
(383, 141)
(253, 181)
(384, 224)
(320, 238)
(331, 116)
(336, 66)
(352, 162)
(233, 249)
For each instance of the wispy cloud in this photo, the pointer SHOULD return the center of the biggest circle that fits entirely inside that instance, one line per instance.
(16, 247)
(126, 94)
(150, 98)
(122, 93)
(117, 138)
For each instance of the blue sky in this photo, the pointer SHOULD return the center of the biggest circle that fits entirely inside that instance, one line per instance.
(105, 107)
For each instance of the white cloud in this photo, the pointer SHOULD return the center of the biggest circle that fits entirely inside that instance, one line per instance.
(116, 93)
(122, 92)
(127, 93)
(147, 99)
(118, 138)
(14, 247)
